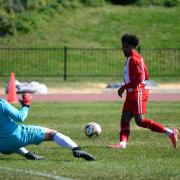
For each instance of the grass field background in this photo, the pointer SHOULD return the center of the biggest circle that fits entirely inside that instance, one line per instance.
(148, 155)
(100, 27)
(91, 27)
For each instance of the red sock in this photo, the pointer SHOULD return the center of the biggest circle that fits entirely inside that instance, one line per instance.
(153, 126)
(125, 132)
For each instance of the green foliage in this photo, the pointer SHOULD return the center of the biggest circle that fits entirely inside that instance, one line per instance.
(97, 27)
(68, 3)
(25, 23)
(171, 3)
(25, 12)
(17, 12)
(123, 2)
(93, 2)
(6, 24)
(166, 3)
(13, 6)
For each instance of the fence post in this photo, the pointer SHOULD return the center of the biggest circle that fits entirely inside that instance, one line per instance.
(65, 63)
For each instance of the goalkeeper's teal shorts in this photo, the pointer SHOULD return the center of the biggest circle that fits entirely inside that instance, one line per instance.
(24, 135)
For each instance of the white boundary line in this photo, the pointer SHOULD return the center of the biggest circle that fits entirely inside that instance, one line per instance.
(52, 176)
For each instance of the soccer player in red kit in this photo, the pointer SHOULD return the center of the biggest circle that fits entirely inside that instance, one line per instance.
(135, 74)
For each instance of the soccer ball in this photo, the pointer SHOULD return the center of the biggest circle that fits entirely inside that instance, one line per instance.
(92, 129)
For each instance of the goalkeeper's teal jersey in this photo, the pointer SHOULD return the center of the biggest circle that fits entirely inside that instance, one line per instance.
(13, 135)
(8, 118)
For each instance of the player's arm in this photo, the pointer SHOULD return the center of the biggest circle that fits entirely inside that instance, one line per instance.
(15, 114)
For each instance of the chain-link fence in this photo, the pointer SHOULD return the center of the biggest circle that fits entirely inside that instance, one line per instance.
(68, 62)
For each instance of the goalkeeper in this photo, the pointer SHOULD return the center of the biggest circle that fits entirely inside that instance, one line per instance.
(15, 137)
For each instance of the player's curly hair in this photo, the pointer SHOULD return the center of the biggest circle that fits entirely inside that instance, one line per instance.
(131, 39)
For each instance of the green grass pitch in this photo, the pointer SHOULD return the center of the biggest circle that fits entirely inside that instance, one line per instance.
(148, 155)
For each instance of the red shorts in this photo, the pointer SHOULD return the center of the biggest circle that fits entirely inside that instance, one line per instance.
(135, 102)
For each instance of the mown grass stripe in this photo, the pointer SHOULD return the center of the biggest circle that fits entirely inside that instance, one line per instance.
(47, 175)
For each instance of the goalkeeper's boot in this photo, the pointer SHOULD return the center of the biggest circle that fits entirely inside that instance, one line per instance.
(174, 137)
(78, 153)
(32, 156)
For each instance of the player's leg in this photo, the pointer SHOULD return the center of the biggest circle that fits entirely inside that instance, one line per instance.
(29, 155)
(65, 141)
(124, 130)
(36, 134)
(125, 122)
(140, 110)
(157, 127)
(141, 99)
(150, 124)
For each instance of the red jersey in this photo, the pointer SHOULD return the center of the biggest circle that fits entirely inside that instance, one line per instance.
(135, 72)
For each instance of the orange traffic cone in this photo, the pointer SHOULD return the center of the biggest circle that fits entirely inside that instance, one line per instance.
(12, 96)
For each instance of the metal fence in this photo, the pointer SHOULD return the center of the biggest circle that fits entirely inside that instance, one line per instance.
(71, 62)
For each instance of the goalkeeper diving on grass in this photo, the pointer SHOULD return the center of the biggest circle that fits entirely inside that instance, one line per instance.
(14, 137)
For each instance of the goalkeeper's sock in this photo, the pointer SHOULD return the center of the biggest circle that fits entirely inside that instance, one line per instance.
(22, 151)
(64, 141)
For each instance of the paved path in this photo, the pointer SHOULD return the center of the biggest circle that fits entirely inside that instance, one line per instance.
(96, 97)
(101, 97)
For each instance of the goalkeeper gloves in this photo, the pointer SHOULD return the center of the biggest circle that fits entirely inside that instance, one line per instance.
(26, 100)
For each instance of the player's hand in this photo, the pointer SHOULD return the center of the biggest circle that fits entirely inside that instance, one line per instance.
(120, 91)
(26, 99)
